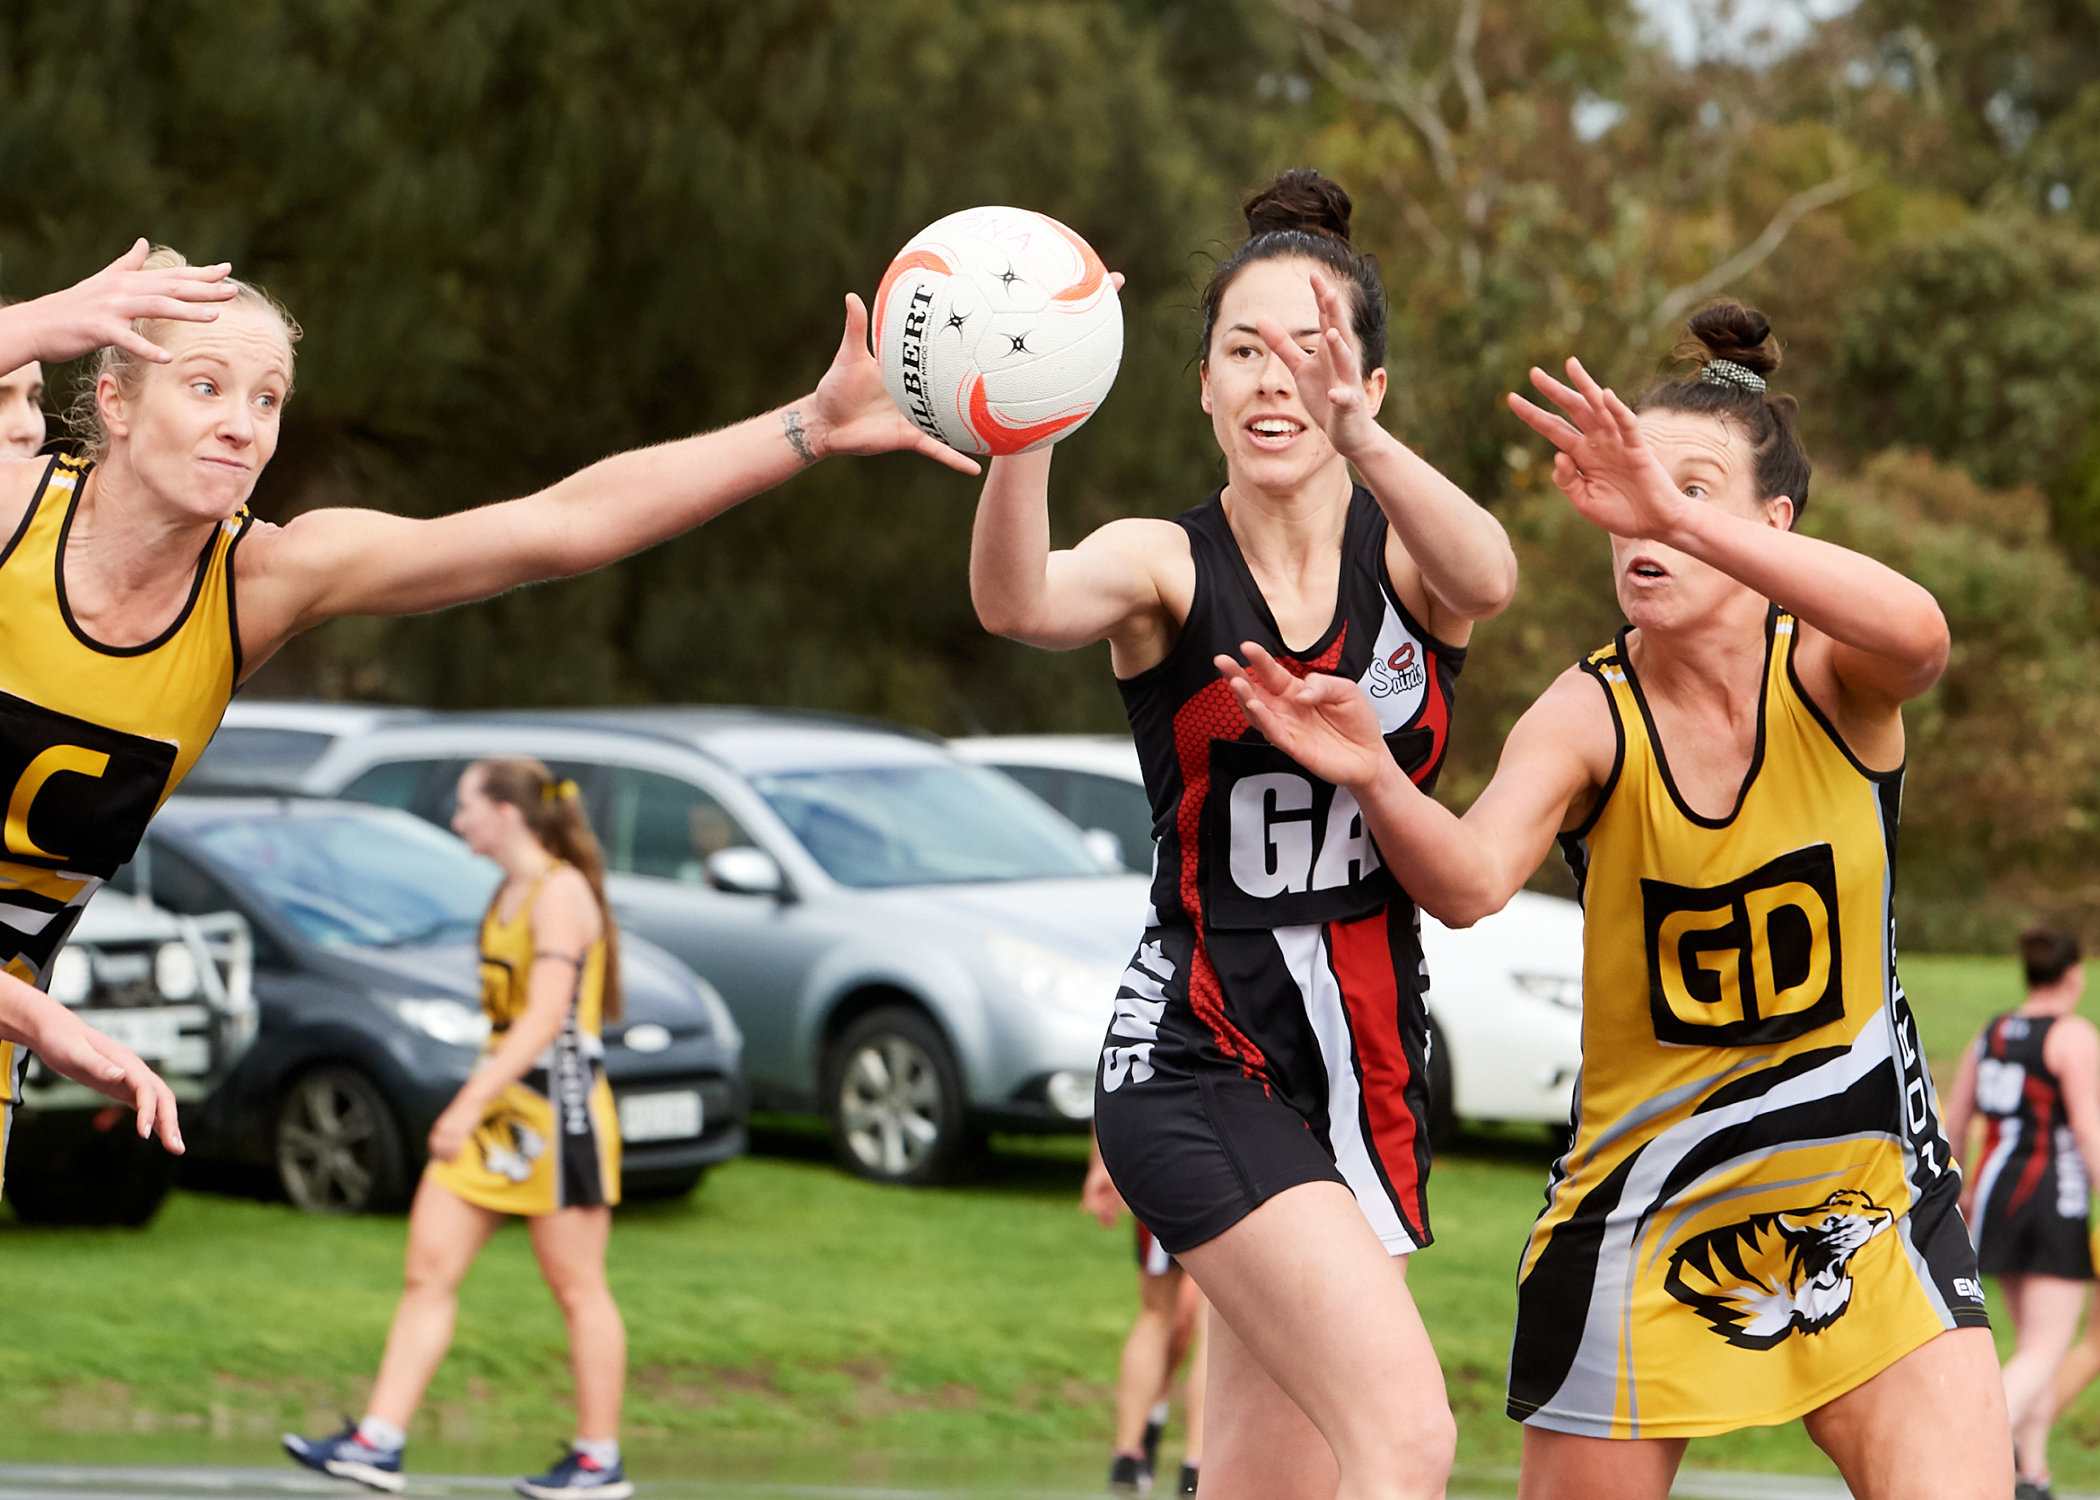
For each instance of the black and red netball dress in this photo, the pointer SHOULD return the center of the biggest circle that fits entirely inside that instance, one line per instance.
(2031, 1191)
(1270, 1030)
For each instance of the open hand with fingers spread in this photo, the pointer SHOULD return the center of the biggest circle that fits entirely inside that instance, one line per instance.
(99, 311)
(1604, 466)
(853, 413)
(1330, 377)
(1324, 723)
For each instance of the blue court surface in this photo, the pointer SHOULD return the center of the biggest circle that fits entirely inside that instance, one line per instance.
(94, 1482)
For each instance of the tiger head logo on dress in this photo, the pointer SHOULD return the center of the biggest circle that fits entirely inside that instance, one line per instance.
(1777, 1274)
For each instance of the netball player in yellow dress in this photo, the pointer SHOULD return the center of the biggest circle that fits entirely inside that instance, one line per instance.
(1756, 1220)
(136, 590)
(532, 1132)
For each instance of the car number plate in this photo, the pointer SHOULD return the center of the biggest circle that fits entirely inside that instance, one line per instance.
(660, 1117)
(154, 1035)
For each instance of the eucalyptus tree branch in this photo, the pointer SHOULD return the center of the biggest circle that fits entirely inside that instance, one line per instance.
(1751, 256)
(1464, 69)
(1391, 81)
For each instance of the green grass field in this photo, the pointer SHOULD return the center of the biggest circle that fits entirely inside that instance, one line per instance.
(786, 1321)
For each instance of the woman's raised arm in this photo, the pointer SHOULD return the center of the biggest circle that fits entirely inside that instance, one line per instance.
(357, 562)
(1888, 636)
(1456, 869)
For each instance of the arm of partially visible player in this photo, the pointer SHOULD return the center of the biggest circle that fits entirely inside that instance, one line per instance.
(1065, 599)
(1098, 1195)
(565, 922)
(1959, 1111)
(73, 1049)
(99, 311)
(2072, 1053)
(333, 561)
(1456, 869)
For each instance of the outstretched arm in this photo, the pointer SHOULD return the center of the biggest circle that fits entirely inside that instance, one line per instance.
(1889, 639)
(73, 1049)
(1458, 549)
(1456, 869)
(357, 562)
(99, 311)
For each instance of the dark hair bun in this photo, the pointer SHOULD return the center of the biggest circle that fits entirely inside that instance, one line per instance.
(1725, 329)
(1301, 200)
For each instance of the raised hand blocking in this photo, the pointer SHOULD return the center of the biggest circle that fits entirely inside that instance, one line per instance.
(100, 310)
(1330, 379)
(1323, 722)
(1604, 466)
(854, 414)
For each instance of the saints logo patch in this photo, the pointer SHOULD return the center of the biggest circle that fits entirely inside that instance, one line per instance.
(1777, 1274)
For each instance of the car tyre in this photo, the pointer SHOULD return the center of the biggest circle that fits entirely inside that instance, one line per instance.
(894, 1098)
(338, 1147)
(103, 1176)
(1443, 1112)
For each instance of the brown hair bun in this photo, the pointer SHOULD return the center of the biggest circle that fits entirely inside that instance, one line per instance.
(1725, 329)
(1300, 200)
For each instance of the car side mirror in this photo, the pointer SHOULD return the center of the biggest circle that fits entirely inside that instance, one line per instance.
(745, 871)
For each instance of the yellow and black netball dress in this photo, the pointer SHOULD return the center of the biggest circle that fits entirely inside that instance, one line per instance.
(551, 1140)
(1758, 1212)
(92, 737)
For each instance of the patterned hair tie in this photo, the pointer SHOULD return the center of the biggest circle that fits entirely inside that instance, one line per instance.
(555, 791)
(1728, 372)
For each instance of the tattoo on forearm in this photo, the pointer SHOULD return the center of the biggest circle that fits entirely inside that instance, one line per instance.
(791, 420)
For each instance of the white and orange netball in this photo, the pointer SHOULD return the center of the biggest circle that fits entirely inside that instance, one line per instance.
(998, 330)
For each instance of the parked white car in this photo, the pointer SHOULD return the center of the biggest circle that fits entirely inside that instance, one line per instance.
(1505, 1000)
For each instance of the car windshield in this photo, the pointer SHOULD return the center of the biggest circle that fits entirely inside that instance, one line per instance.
(924, 825)
(356, 880)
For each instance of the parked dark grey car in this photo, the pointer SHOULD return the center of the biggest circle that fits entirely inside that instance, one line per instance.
(364, 921)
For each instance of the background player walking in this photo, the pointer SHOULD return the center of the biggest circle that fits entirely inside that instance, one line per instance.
(2033, 1077)
(532, 1133)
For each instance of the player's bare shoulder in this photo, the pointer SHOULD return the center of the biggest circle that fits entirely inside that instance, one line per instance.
(1156, 549)
(1569, 734)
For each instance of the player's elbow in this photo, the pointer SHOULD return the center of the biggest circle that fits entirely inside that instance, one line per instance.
(1005, 612)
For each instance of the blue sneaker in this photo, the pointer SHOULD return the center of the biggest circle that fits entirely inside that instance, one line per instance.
(577, 1477)
(347, 1456)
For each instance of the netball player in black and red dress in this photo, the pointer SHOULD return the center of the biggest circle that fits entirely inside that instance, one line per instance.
(1263, 1087)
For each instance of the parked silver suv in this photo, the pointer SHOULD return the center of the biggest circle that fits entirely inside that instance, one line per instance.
(913, 946)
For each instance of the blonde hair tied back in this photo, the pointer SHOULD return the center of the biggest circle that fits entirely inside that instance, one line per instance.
(84, 415)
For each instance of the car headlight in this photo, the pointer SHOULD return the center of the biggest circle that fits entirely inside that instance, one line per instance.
(1044, 976)
(72, 976)
(175, 972)
(445, 1020)
(1560, 989)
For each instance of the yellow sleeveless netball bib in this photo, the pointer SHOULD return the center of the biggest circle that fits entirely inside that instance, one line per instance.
(551, 1140)
(93, 737)
(1758, 1211)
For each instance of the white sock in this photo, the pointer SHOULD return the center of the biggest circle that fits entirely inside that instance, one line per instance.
(604, 1452)
(380, 1436)
(1158, 1417)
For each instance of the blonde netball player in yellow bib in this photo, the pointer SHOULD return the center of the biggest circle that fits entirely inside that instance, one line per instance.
(1757, 1218)
(136, 590)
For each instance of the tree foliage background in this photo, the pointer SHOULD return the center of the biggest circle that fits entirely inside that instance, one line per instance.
(524, 233)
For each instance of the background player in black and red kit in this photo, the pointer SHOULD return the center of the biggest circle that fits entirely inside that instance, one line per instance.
(2034, 1077)
(1262, 1089)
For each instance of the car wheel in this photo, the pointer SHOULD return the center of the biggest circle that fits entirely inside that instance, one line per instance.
(105, 1176)
(1443, 1113)
(648, 1187)
(338, 1148)
(896, 1100)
